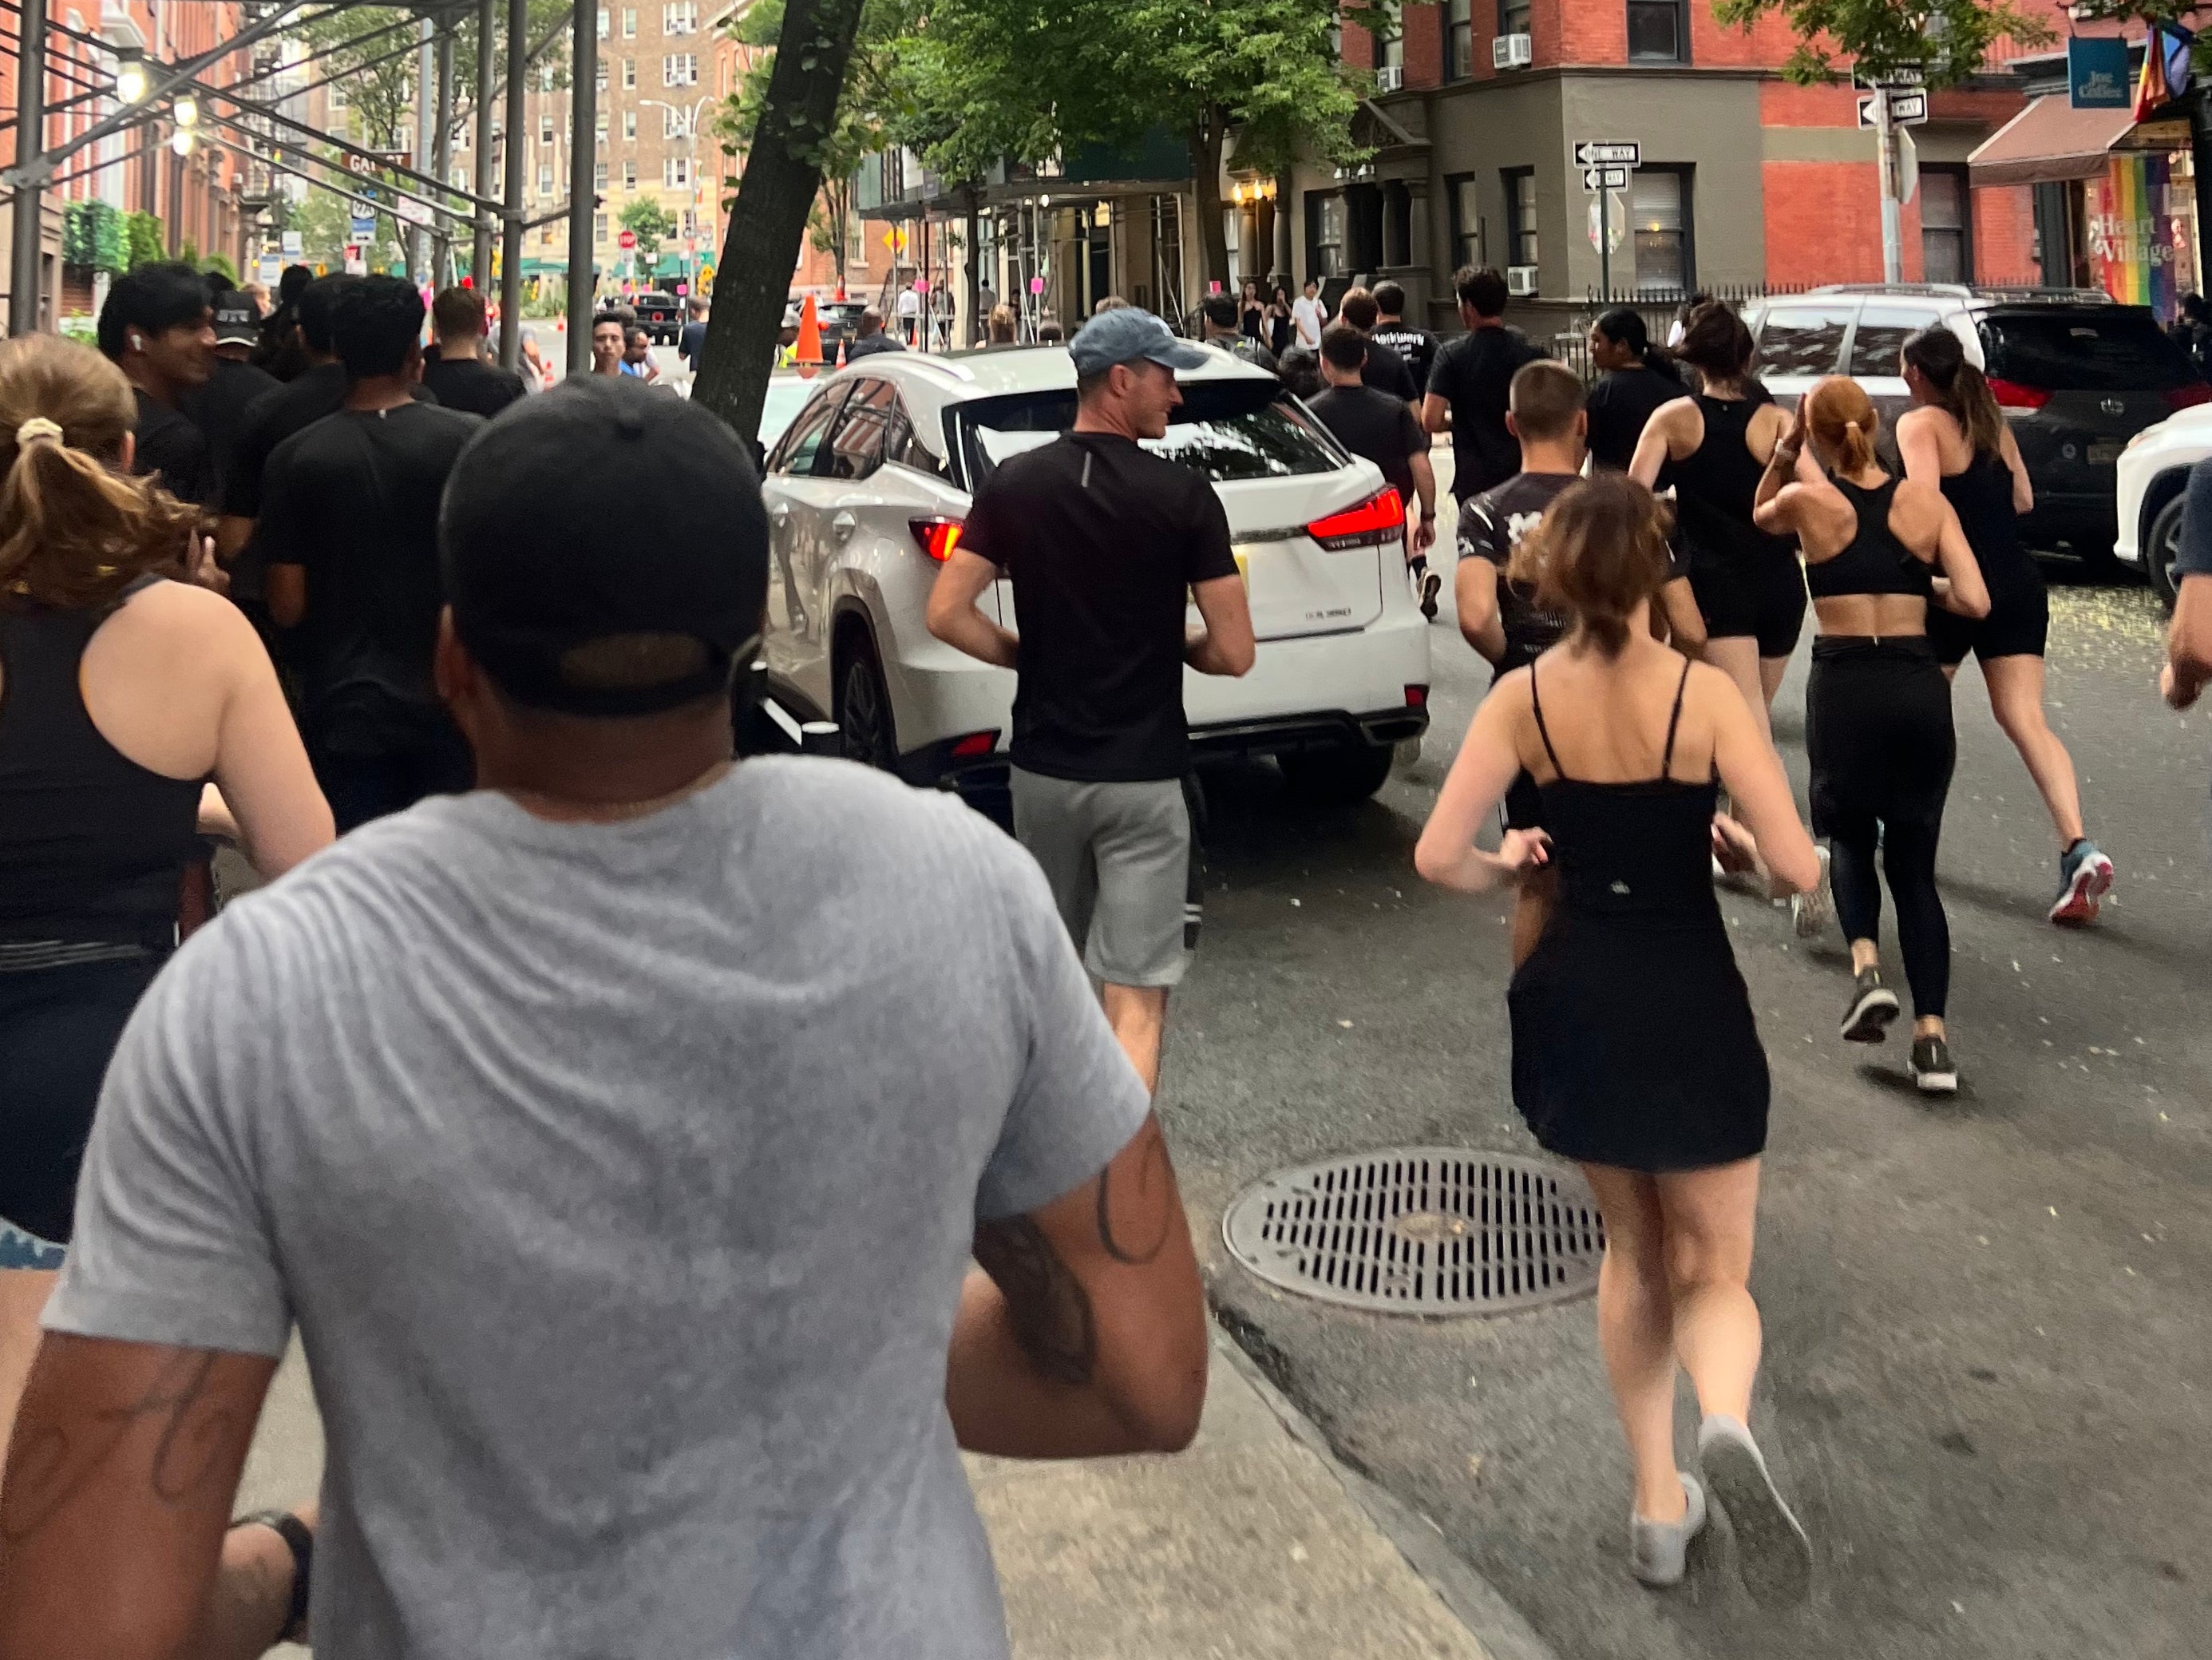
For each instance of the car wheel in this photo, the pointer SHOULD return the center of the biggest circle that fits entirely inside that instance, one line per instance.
(2160, 547)
(865, 723)
(1340, 777)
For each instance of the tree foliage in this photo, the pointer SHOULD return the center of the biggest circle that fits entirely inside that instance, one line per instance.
(644, 218)
(1947, 39)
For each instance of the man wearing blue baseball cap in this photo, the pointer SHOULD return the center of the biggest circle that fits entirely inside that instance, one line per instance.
(1103, 540)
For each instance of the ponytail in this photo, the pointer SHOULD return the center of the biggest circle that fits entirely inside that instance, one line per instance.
(1625, 326)
(1843, 422)
(1856, 453)
(75, 530)
(1961, 390)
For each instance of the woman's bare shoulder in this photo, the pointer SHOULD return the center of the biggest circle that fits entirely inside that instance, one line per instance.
(185, 610)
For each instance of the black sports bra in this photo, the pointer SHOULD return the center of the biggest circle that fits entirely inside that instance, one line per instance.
(1875, 561)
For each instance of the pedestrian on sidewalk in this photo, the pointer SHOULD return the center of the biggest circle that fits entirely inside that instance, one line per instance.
(870, 337)
(158, 327)
(637, 356)
(691, 346)
(122, 695)
(458, 370)
(219, 405)
(1955, 437)
(554, 1115)
(1636, 380)
(1252, 313)
(1105, 544)
(1308, 316)
(281, 352)
(1376, 423)
(1217, 317)
(1877, 708)
(1472, 380)
(1280, 333)
(349, 529)
(1635, 1053)
(610, 341)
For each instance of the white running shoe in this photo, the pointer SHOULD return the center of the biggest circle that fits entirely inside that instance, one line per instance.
(1810, 913)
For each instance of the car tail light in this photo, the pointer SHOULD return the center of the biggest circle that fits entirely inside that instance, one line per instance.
(1378, 521)
(936, 537)
(976, 744)
(1417, 698)
(2011, 395)
(2182, 398)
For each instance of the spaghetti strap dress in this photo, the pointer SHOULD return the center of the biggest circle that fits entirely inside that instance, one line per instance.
(1634, 1040)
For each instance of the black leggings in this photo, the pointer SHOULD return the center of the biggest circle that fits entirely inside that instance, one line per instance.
(1878, 733)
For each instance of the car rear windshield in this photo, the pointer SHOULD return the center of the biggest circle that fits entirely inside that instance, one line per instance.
(1227, 430)
(2092, 349)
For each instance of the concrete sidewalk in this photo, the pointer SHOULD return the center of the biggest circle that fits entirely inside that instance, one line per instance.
(1252, 1543)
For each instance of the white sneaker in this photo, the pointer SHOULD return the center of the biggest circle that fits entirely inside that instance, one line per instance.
(1810, 913)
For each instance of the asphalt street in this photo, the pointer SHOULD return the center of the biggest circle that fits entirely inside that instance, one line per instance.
(1988, 1381)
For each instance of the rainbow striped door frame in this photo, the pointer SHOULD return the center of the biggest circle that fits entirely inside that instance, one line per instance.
(2144, 253)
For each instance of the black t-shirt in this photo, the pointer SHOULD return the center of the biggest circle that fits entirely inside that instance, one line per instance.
(1473, 374)
(471, 385)
(276, 416)
(218, 410)
(171, 445)
(1102, 541)
(1417, 346)
(353, 500)
(691, 343)
(1619, 405)
(1491, 526)
(1386, 371)
(1376, 425)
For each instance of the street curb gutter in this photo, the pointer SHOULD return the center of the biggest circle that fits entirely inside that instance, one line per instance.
(1495, 1623)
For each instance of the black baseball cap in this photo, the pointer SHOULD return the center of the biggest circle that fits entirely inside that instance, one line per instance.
(237, 322)
(606, 549)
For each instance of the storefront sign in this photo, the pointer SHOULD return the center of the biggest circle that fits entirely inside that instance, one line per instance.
(2097, 74)
(2142, 246)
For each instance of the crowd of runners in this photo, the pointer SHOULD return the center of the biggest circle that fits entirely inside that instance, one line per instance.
(557, 1113)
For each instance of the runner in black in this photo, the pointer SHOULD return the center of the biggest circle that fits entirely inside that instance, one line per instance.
(157, 326)
(1382, 428)
(1470, 382)
(1877, 710)
(1386, 370)
(1415, 344)
(1637, 380)
(457, 369)
(218, 407)
(1956, 437)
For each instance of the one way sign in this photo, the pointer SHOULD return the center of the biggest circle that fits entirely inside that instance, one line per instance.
(1906, 109)
(1600, 152)
(1598, 178)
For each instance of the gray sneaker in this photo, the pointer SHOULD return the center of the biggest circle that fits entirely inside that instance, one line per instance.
(1658, 1552)
(1772, 1551)
(1810, 913)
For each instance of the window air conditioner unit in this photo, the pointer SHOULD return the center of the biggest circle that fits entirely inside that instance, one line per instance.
(1511, 52)
(1389, 77)
(1520, 282)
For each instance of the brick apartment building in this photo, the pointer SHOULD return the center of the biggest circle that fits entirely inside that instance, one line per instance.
(195, 197)
(1747, 181)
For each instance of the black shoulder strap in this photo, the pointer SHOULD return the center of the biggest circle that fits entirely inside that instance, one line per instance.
(1544, 731)
(1667, 760)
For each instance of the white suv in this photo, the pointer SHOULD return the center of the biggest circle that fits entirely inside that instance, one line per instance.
(2153, 479)
(867, 491)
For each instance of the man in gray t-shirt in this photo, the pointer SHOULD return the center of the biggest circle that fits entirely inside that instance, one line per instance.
(617, 1136)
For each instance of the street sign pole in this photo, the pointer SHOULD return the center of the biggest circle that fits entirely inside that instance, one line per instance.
(1893, 228)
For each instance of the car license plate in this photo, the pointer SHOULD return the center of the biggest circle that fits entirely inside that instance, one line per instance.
(2104, 455)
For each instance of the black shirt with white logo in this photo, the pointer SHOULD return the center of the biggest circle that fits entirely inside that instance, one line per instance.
(1386, 371)
(1374, 425)
(1491, 526)
(1102, 542)
(1473, 374)
(1417, 346)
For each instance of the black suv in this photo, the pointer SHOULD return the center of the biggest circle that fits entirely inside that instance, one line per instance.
(659, 314)
(2077, 373)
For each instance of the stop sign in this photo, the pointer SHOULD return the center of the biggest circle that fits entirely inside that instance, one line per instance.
(627, 239)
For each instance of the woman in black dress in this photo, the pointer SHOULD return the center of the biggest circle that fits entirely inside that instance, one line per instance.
(1251, 312)
(1634, 1050)
(1279, 322)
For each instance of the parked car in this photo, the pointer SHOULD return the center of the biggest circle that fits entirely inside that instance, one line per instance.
(659, 314)
(2077, 375)
(868, 488)
(2153, 474)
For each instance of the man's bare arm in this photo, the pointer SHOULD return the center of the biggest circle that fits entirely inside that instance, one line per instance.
(1084, 1332)
(118, 1494)
(1226, 646)
(2189, 643)
(1436, 413)
(285, 591)
(955, 616)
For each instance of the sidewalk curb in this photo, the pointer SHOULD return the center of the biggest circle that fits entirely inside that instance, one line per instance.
(1496, 1624)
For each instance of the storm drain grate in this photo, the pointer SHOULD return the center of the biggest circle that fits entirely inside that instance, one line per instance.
(1422, 1231)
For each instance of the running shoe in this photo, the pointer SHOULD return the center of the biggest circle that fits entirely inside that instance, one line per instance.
(1810, 912)
(1659, 1552)
(1772, 1551)
(1933, 1068)
(1430, 586)
(1873, 1006)
(2085, 877)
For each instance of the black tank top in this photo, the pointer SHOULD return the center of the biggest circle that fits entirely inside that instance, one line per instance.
(1717, 484)
(1875, 561)
(1982, 498)
(92, 845)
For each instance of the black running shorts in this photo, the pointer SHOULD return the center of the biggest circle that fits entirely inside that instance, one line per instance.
(1762, 598)
(2018, 625)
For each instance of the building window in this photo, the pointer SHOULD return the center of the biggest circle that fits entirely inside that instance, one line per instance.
(1659, 217)
(690, 223)
(1513, 16)
(1658, 32)
(674, 170)
(679, 17)
(1390, 51)
(1946, 253)
(675, 123)
(1520, 216)
(544, 180)
(599, 177)
(599, 74)
(629, 22)
(629, 72)
(598, 228)
(545, 78)
(599, 127)
(1465, 220)
(602, 22)
(545, 129)
(1328, 235)
(338, 94)
(629, 124)
(679, 69)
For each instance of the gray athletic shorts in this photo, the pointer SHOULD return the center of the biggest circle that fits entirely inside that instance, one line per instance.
(1119, 859)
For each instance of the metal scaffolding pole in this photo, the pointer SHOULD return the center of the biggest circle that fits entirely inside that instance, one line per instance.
(418, 244)
(583, 197)
(480, 250)
(510, 274)
(27, 257)
(441, 153)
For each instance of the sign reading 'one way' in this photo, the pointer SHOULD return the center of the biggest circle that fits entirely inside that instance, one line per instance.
(1600, 152)
(1906, 109)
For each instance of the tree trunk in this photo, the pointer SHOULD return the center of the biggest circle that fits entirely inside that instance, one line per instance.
(768, 221)
(1206, 192)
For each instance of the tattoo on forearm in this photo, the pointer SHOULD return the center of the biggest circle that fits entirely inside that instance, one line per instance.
(1145, 1216)
(49, 1465)
(1046, 1304)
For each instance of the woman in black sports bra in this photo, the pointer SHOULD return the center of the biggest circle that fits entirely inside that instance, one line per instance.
(1635, 1053)
(1877, 708)
(1955, 438)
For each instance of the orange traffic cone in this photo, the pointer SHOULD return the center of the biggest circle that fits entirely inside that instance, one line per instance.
(807, 351)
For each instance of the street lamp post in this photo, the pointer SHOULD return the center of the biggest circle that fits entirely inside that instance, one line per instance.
(691, 139)
(26, 263)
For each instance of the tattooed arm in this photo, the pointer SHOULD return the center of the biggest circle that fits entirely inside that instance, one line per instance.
(1084, 1332)
(114, 1508)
